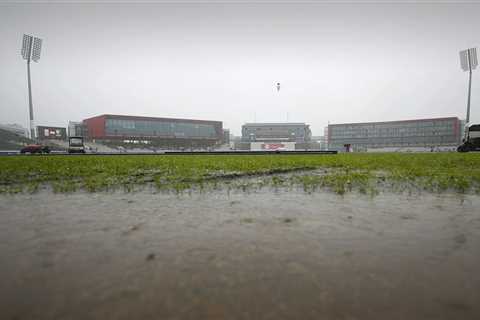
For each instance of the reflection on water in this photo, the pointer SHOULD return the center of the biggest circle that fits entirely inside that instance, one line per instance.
(262, 255)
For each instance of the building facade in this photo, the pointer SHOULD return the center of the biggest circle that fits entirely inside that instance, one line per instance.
(76, 129)
(156, 131)
(321, 142)
(424, 133)
(226, 136)
(276, 132)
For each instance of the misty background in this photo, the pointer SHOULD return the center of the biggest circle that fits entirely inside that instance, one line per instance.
(347, 62)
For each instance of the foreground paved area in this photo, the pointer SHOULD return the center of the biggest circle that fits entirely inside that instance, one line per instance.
(266, 255)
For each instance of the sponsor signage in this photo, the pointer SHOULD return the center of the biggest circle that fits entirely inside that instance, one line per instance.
(273, 146)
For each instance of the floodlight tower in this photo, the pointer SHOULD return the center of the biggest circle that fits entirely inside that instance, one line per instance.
(31, 48)
(468, 61)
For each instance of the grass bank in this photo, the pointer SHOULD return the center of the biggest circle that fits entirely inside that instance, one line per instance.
(343, 172)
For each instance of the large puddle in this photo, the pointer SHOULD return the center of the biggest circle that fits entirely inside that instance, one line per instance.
(260, 255)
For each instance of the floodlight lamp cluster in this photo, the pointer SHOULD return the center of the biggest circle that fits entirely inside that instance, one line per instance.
(468, 59)
(31, 48)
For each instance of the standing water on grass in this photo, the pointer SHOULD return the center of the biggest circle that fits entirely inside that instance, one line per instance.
(257, 255)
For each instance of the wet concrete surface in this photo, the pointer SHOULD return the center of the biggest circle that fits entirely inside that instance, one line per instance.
(261, 255)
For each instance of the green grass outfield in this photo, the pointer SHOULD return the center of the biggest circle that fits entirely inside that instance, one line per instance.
(435, 172)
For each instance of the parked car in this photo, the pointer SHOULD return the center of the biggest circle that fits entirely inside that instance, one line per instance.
(35, 148)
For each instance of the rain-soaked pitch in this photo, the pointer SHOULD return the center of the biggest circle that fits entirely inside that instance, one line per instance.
(260, 255)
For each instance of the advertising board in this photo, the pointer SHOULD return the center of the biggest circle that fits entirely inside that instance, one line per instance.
(275, 146)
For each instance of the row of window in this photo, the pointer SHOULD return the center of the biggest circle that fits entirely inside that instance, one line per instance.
(340, 129)
(157, 128)
(423, 124)
(393, 134)
(277, 129)
(400, 131)
(394, 141)
(275, 132)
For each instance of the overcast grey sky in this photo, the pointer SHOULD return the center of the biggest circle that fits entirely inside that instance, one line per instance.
(343, 62)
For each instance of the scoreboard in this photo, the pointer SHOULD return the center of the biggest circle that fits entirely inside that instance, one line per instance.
(56, 133)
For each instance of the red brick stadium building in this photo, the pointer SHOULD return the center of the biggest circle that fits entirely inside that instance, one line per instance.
(169, 132)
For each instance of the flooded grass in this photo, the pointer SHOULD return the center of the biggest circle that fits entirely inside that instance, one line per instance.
(278, 255)
(366, 173)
